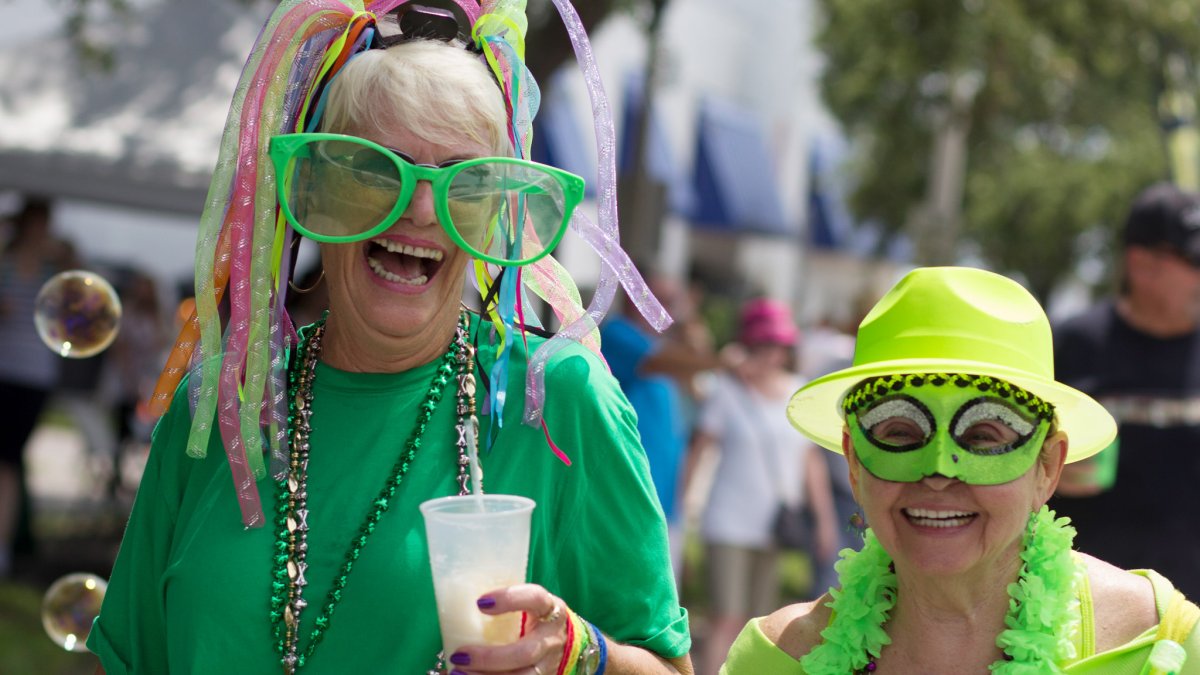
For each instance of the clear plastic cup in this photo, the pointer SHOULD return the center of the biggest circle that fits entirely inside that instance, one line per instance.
(477, 543)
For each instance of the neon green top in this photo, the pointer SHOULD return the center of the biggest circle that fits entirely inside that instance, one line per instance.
(753, 653)
(190, 590)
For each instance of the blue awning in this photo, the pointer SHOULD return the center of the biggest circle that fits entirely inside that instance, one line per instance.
(559, 139)
(829, 222)
(734, 176)
(660, 161)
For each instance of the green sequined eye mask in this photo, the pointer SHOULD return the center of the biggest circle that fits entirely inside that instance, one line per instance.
(978, 429)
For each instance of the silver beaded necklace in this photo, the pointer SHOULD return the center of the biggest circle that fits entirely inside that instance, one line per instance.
(291, 544)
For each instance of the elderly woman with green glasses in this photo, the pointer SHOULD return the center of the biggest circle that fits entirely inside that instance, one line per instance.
(956, 434)
(400, 164)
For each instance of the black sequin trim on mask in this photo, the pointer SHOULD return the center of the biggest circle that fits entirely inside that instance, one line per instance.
(872, 389)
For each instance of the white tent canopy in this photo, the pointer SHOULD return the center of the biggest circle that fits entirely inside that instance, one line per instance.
(144, 134)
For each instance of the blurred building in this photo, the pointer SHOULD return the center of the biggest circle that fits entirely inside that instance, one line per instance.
(746, 153)
(127, 152)
(750, 159)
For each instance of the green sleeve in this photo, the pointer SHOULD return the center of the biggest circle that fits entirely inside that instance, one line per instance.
(613, 560)
(129, 635)
(753, 653)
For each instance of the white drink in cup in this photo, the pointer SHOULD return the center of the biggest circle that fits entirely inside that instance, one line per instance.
(477, 543)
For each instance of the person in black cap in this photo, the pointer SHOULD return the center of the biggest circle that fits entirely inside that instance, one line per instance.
(1136, 503)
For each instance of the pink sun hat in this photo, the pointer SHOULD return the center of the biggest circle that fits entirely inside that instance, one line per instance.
(765, 321)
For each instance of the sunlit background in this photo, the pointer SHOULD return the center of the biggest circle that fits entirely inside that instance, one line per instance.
(808, 150)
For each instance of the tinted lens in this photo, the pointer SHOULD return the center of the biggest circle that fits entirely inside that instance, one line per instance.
(898, 423)
(342, 188)
(989, 426)
(506, 210)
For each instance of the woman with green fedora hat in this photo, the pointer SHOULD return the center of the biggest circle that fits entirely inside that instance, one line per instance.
(956, 433)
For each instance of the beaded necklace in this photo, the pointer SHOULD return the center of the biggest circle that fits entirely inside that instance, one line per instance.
(291, 520)
(1042, 618)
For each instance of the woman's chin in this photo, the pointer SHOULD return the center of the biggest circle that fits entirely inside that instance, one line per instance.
(940, 550)
(402, 308)
(942, 564)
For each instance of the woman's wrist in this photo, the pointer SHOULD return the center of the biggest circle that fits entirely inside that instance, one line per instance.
(585, 651)
(574, 644)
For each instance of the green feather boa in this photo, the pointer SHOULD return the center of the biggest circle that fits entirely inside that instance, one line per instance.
(1041, 623)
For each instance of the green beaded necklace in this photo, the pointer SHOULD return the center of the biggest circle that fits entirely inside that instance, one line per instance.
(291, 526)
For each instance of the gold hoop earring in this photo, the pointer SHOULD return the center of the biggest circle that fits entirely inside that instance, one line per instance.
(310, 289)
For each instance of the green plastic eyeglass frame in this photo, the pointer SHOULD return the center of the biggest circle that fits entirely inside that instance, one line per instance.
(284, 147)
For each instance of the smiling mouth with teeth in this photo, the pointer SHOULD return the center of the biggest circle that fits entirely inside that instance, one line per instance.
(938, 518)
(403, 263)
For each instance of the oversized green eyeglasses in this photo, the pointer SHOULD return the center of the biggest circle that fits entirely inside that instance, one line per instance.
(338, 189)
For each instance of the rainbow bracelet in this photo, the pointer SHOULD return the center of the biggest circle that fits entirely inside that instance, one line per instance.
(577, 640)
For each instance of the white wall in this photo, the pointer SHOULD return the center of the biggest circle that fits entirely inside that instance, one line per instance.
(159, 243)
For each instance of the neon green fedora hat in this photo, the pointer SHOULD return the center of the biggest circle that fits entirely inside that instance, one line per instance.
(955, 320)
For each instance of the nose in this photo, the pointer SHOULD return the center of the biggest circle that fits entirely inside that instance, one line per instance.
(938, 482)
(421, 211)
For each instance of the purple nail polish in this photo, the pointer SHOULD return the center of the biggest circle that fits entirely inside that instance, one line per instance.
(457, 672)
(460, 659)
(486, 602)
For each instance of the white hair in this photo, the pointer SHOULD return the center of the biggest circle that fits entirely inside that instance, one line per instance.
(439, 92)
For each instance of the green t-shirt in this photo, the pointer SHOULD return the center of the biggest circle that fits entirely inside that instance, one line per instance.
(754, 653)
(190, 589)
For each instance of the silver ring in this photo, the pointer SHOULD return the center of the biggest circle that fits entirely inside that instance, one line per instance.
(551, 617)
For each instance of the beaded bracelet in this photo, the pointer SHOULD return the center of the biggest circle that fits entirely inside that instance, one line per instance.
(596, 635)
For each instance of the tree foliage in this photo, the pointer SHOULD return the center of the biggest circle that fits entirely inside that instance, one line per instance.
(1064, 127)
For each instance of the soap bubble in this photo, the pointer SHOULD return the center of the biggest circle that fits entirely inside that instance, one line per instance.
(69, 606)
(77, 314)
